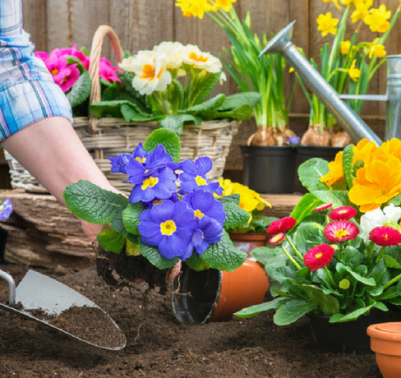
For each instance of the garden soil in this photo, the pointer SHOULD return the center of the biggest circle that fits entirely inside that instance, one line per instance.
(160, 347)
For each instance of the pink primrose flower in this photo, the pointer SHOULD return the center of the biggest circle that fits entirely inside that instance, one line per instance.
(107, 71)
(63, 75)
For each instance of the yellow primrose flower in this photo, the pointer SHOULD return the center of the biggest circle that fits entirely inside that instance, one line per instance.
(377, 19)
(335, 171)
(375, 184)
(345, 46)
(362, 8)
(194, 8)
(354, 73)
(364, 151)
(334, 1)
(378, 51)
(347, 3)
(225, 4)
(327, 24)
(392, 147)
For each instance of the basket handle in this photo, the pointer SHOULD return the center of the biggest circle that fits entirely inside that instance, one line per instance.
(96, 50)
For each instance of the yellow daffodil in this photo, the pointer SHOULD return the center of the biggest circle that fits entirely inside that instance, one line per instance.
(336, 172)
(354, 73)
(362, 8)
(376, 183)
(377, 19)
(378, 51)
(334, 1)
(347, 3)
(345, 46)
(225, 4)
(327, 24)
(195, 8)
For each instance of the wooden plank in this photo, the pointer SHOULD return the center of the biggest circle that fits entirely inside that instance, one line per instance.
(58, 24)
(34, 21)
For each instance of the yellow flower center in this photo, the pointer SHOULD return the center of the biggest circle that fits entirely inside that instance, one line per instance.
(141, 160)
(150, 182)
(339, 234)
(319, 255)
(54, 71)
(200, 181)
(157, 202)
(276, 238)
(198, 58)
(149, 72)
(383, 192)
(199, 214)
(168, 227)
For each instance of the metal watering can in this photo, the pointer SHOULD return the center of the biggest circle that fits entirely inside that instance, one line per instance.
(345, 116)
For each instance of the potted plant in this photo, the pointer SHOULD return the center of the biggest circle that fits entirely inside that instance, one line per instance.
(160, 223)
(338, 254)
(266, 155)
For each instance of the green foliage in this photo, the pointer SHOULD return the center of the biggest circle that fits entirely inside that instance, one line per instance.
(80, 90)
(111, 240)
(166, 138)
(235, 216)
(155, 258)
(130, 217)
(311, 172)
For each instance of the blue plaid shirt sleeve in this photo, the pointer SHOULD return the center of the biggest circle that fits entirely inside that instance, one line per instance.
(27, 90)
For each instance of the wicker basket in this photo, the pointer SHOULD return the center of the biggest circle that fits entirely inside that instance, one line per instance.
(104, 137)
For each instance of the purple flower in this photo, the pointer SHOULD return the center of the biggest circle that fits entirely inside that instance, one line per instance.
(194, 176)
(6, 208)
(119, 163)
(157, 201)
(161, 184)
(169, 227)
(294, 140)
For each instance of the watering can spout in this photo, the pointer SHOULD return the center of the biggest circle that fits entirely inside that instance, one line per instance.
(345, 116)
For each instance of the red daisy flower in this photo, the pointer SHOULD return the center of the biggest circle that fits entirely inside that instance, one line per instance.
(385, 236)
(323, 207)
(277, 239)
(318, 256)
(339, 231)
(342, 213)
(281, 225)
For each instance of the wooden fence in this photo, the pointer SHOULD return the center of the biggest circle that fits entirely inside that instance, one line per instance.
(141, 24)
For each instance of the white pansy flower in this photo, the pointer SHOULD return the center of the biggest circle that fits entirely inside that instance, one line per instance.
(173, 51)
(377, 218)
(193, 56)
(150, 72)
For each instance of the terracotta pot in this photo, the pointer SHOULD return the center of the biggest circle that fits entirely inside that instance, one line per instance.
(247, 242)
(385, 341)
(213, 295)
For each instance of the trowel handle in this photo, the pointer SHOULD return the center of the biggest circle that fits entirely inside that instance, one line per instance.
(11, 287)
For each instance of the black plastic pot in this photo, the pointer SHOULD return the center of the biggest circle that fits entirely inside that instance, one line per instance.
(269, 169)
(305, 153)
(348, 336)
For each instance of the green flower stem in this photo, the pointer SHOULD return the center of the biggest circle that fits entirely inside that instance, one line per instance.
(380, 254)
(290, 257)
(330, 276)
(395, 279)
(293, 247)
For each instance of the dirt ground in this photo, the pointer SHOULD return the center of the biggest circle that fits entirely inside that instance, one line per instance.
(160, 347)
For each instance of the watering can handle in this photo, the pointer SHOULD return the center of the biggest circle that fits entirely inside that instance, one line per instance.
(11, 287)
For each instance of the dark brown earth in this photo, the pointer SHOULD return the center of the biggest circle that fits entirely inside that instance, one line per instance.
(160, 347)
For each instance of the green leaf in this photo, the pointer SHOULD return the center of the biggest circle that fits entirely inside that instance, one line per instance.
(80, 91)
(311, 172)
(205, 107)
(304, 207)
(234, 198)
(348, 156)
(235, 216)
(366, 281)
(223, 255)
(93, 204)
(113, 109)
(111, 240)
(132, 249)
(196, 263)
(292, 310)
(244, 113)
(204, 88)
(327, 304)
(336, 197)
(238, 100)
(340, 318)
(166, 138)
(156, 258)
(257, 309)
(74, 60)
(177, 96)
(262, 222)
(307, 236)
(131, 215)
(176, 122)
(391, 262)
(117, 223)
(396, 201)
(131, 113)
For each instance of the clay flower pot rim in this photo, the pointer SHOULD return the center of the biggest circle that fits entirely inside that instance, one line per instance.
(248, 235)
(386, 331)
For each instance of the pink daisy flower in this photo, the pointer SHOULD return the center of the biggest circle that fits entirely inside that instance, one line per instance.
(281, 225)
(385, 236)
(277, 239)
(339, 231)
(342, 213)
(322, 207)
(318, 256)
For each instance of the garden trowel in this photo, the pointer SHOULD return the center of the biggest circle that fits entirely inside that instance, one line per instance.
(49, 302)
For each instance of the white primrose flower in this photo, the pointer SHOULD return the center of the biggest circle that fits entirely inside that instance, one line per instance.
(377, 218)
(193, 56)
(126, 64)
(173, 51)
(150, 71)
